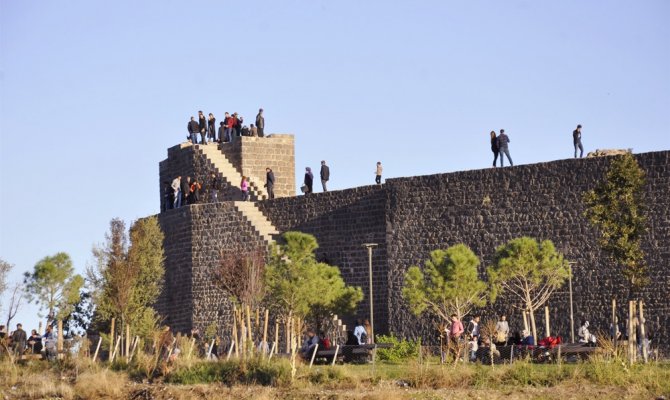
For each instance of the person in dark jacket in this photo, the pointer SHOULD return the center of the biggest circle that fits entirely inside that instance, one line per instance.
(193, 130)
(577, 141)
(325, 175)
(202, 126)
(309, 180)
(236, 126)
(194, 196)
(35, 342)
(222, 131)
(260, 122)
(270, 182)
(211, 127)
(503, 141)
(19, 339)
(494, 147)
(185, 190)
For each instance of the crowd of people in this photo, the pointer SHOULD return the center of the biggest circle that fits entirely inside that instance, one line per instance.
(231, 127)
(19, 343)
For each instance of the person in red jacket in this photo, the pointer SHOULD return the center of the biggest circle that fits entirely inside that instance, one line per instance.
(228, 123)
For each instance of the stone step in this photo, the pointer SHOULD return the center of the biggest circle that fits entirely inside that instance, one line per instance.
(261, 224)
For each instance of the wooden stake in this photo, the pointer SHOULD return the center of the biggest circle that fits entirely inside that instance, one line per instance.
(337, 349)
(258, 320)
(272, 350)
(211, 346)
(235, 331)
(97, 349)
(631, 344)
(615, 324)
(112, 333)
(249, 326)
(127, 340)
(635, 323)
(132, 351)
(643, 336)
(546, 321)
(172, 346)
(190, 350)
(265, 331)
(276, 342)
(116, 347)
(316, 348)
(232, 345)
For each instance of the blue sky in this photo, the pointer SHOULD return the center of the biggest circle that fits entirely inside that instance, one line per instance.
(93, 93)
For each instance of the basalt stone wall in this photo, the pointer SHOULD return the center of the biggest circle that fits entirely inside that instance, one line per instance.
(486, 208)
(196, 236)
(176, 300)
(342, 221)
(251, 155)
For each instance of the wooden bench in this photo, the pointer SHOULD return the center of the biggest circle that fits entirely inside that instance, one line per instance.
(348, 353)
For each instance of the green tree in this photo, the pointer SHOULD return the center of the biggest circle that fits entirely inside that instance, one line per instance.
(299, 286)
(530, 271)
(127, 280)
(448, 284)
(54, 286)
(616, 208)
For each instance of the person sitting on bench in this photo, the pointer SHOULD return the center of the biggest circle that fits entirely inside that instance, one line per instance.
(527, 339)
(586, 337)
(309, 345)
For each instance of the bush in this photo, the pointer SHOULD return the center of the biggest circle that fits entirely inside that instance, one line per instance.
(402, 349)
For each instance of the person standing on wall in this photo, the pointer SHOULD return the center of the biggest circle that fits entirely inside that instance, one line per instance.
(378, 172)
(229, 122)
(494, 147)
(176, 187)
(222, 131)
(193, 130)
(254, 131)
(211, 127)
(503, 141)
(213, 188)
(244, 186)
(270, 182)
(260, 122)
(185, 190)
(309, 180)
(325, 175)
(202, 126)
(577, 141)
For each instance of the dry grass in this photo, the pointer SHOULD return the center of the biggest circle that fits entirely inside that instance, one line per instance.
(101, 384)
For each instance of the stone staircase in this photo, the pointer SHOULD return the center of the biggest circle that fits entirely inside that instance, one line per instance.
(226, 170)
(261, 224)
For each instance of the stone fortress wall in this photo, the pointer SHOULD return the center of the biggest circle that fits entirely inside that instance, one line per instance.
(408, 218)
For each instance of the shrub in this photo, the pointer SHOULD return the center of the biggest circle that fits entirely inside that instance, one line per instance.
(402, 349)
(254, 371)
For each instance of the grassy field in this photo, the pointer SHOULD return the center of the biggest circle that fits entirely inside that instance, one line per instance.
(259, 379)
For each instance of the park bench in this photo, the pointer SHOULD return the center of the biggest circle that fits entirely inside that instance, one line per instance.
(348, 353)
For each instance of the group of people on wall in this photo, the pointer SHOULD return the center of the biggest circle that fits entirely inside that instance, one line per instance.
(500, 145)
(231, 127)
(308, 182)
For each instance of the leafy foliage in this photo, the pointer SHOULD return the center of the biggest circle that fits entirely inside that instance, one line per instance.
(128, 279)
(54, 286)
(530, 271)
(449, 284)
(403, 349)
(299, 286)
(616, 207)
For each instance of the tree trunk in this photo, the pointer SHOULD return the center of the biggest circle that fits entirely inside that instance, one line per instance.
(532, 324)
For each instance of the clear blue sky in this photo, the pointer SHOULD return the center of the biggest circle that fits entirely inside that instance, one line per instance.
(93, 93)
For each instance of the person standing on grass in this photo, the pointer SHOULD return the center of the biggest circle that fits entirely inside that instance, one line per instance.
(577, 141)
(455, 332)
(378, 173)
(270, 182)
(503, 141)
(494, 147)
(325, 175)
(19, 339)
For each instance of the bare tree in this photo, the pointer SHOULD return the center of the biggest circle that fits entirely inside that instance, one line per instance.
(241, 275)
(14, 303)
(5, 267)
